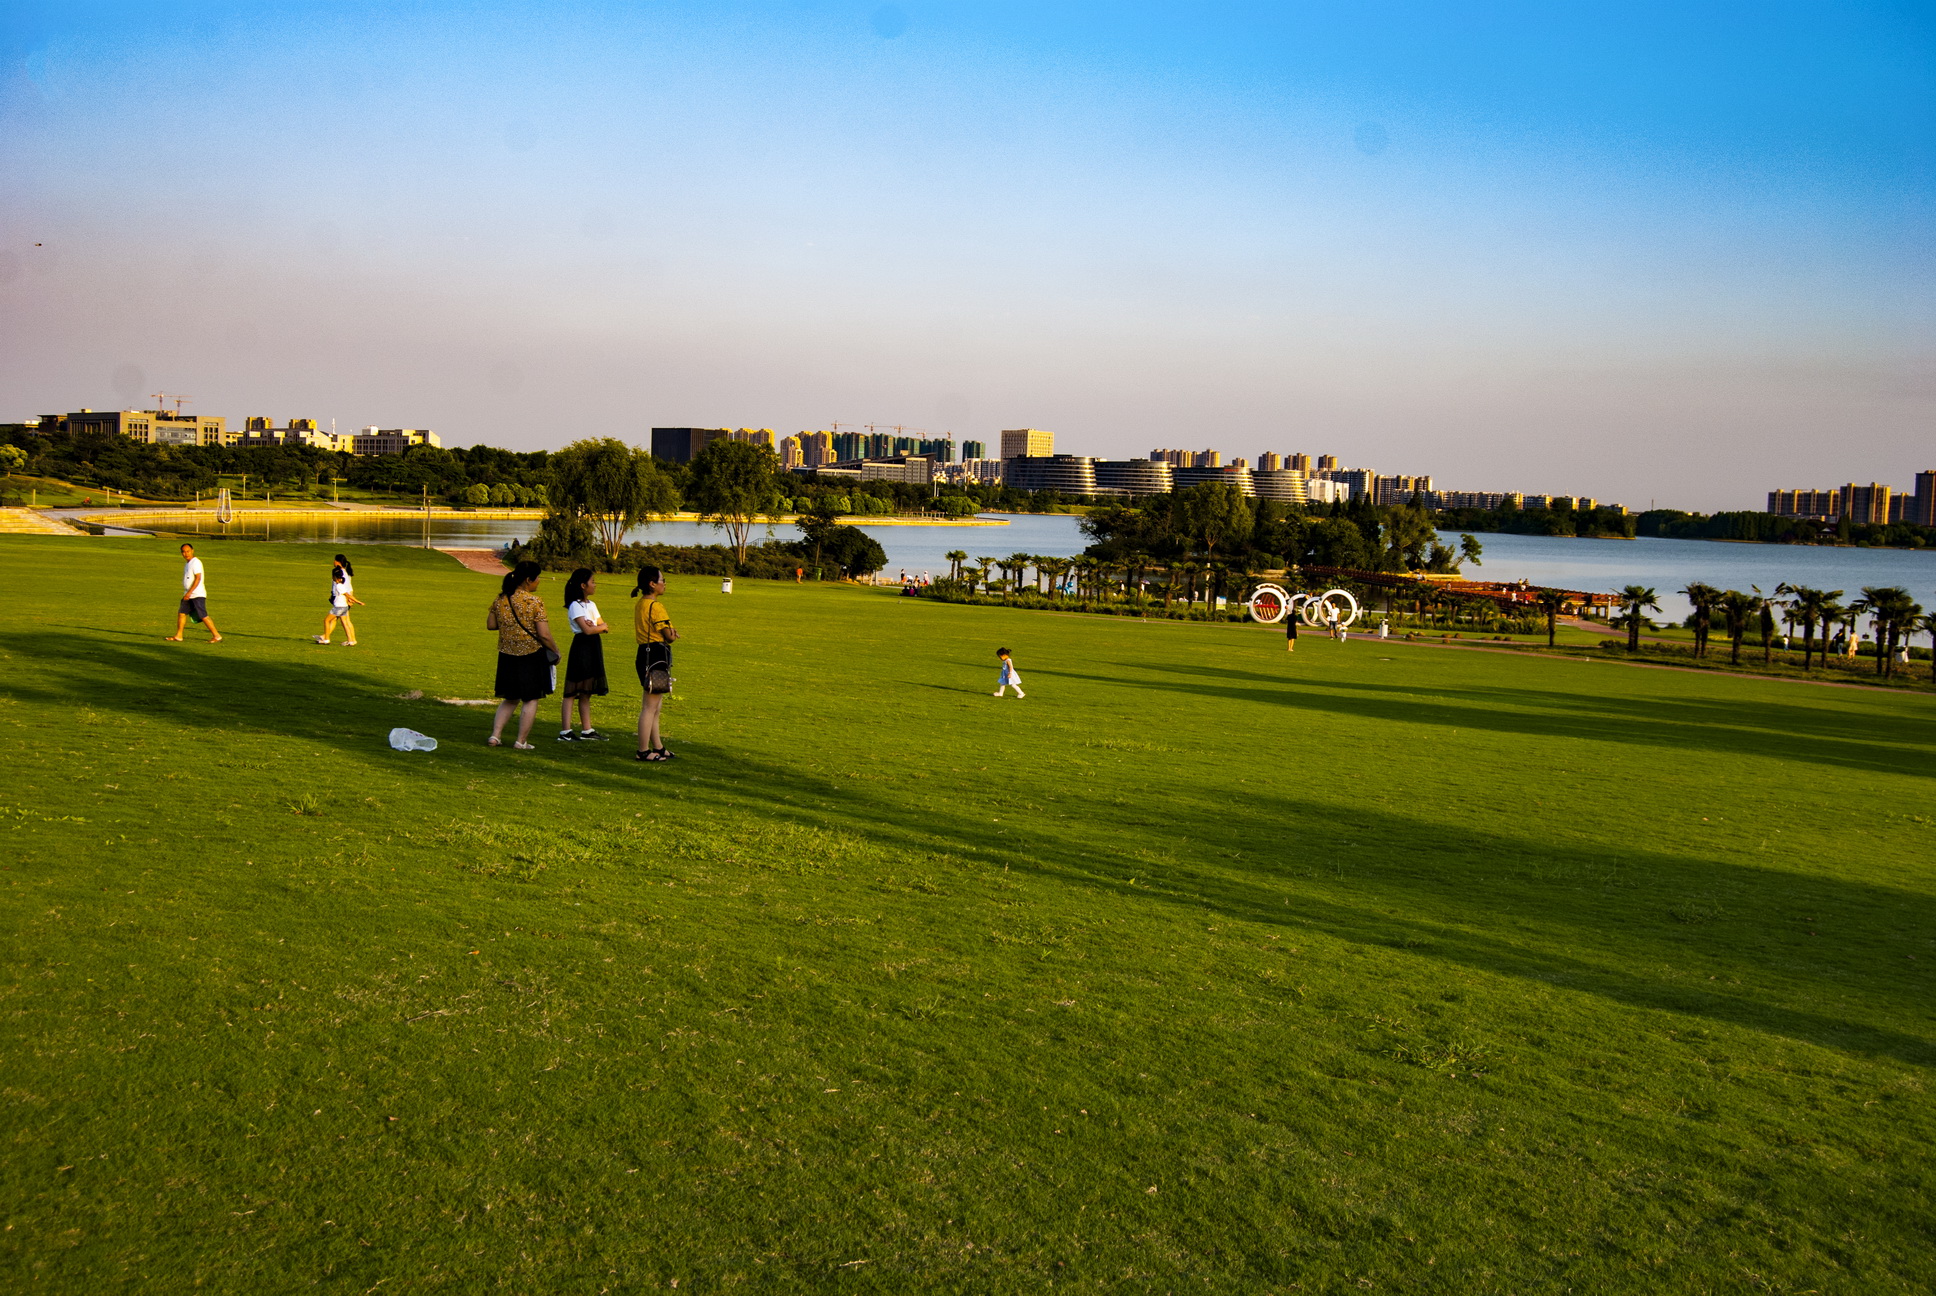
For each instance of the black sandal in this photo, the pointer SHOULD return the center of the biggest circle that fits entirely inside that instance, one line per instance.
(664, 754)
(652, 754)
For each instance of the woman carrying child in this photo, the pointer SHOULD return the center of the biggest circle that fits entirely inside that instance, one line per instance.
(585, 664)
(342, 593)
(652, 626)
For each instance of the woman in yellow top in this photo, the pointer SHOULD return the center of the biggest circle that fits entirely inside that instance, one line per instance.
(525, 652)
(652, 626)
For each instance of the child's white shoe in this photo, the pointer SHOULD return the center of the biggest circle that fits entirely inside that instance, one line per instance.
(998, 693)
(1020, 694)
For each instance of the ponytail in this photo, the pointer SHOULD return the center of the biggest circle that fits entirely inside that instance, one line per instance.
(344, 563)
(518, 575)
(648, 577)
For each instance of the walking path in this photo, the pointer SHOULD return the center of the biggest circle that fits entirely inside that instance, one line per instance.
(483, 561)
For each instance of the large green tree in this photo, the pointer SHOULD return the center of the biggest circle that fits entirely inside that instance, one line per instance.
(1212, 513)
(613, 485)
(732, 483)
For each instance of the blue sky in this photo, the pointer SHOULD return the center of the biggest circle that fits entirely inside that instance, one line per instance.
(1651, 253)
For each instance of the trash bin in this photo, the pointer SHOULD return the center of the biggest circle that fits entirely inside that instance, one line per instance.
(726, 585)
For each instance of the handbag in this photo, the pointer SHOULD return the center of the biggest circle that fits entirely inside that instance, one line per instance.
(551, 654)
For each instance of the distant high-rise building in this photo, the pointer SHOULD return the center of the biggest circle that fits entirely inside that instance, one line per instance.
(816, 449)
(1398, 490)
(1357, 481)
(679, 445)
(1822, 505)
(849, 446)
(1269, 461)
(791, 455)
(1301, 462)
(1866, 503)
(974, 450)
(1027, 443)
(1328, 463)
(939, 449)
(1923, 510)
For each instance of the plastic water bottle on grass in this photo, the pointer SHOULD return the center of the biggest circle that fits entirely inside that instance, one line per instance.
(408, 740)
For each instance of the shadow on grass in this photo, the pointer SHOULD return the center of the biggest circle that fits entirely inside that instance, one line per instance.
(1462, 902)
(1667, 722)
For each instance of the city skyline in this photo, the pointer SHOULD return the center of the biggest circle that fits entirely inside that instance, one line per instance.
(1614, 252)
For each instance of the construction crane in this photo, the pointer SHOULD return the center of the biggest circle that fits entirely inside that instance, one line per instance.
(159, 397)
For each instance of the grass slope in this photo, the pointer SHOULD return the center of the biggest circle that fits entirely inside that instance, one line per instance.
(1378, 968)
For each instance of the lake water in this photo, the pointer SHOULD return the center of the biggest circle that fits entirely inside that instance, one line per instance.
(1671, 565)
(1597, 565)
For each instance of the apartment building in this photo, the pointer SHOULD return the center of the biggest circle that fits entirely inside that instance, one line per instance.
(1027, 443)
(1399, 489)
(1822, 505)
(1868, 504)
(1188, 458)
(974, 450)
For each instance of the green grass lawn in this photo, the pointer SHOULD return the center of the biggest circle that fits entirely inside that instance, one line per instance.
(1378, 968)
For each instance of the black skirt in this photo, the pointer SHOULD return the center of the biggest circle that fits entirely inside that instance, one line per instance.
(523, 679)
(585, 667)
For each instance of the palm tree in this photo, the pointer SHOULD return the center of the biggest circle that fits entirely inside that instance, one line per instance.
(987, 563)
(1927, 624)
(1812, 607)
(1169, 584)
(1018, 564)
(1890, 609)
(1637, 599)
(1190, 571)
(1736, 609)
(1551, 601)
(955, 558)
(1703, 597)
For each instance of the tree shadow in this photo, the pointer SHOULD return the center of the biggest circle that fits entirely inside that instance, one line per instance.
(1592, 914)
(1699, 725)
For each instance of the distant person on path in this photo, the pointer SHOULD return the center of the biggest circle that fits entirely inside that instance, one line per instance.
(1384, 628)
(1290, 630)
(526, 655)
(342, 593)
(585, 666)
(194, 599)
(652, 627)
(1009, 676)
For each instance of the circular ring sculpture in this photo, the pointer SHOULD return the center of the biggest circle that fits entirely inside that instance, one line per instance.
(1270, 604)
(1334, 606)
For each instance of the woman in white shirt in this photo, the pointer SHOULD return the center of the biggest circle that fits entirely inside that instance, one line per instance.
(342, 593)
(585, 663)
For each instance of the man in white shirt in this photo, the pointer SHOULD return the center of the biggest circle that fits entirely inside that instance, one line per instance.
(194, 599)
